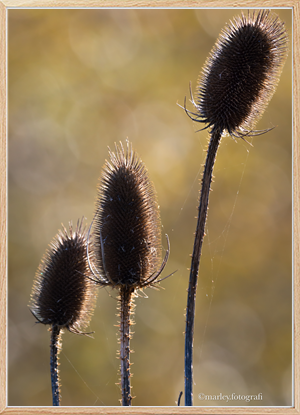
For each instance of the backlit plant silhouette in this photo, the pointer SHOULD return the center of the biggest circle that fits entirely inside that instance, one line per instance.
(122, 249)
(234, 87)
(62, 295)
(126, 241)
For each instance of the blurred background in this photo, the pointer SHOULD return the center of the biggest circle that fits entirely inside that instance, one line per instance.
(81, 80)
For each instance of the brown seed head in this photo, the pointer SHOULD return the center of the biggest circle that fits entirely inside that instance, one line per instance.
(241, 73)
(126, 229)
(62, 293)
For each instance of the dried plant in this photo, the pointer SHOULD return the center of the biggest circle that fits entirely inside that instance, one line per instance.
(236, 84)
(62, 295)
(126, 241)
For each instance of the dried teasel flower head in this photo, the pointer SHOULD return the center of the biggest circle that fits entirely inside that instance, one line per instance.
(63, 294)
(126, 230)
(241, 74)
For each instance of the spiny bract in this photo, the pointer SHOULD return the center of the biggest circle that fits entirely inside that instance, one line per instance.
(126, 228)
(62, 293)
(241, 74)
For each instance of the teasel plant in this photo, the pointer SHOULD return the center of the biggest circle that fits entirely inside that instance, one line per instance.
(235, 86)
(63, 296)
(125, 237)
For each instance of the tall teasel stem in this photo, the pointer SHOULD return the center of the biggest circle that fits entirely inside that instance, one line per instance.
(199, 235)
(54, 350)
(236, 84)
(63, 295)
(125, 335)
(126, 241)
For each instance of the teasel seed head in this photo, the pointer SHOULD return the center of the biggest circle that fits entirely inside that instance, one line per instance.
(126, 235)
(63, 294)
(241, 74)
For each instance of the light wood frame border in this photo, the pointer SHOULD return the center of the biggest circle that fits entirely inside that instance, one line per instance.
(7, 4)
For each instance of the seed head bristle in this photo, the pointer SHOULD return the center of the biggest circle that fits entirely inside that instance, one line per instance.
(126, 228)
(241, 73)
(62, 293)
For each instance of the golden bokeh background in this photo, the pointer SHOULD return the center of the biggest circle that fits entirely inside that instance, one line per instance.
(81, 80)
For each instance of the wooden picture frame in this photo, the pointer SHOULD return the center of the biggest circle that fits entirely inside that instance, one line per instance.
(5, 5)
